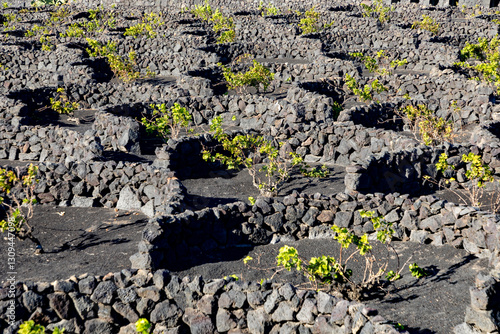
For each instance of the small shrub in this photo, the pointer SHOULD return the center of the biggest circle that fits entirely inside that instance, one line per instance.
(268, 10)
(122, 67)
(310, 23)
(202, 12)
(36, 30)
(29, 327)
(379, 64)
(377, 8)
(221, 24)
(486, 51)
(427, 23)
(478, 173)
(61, 104)
(256, 76)
(365, 94)
(147, 27)
(417, 272)
(73, 30)
(249, 150)
(326, 270)
(167, 122)
(46, 42)
(433, 130)
(317, 172)
(143, 326)
(20, 189)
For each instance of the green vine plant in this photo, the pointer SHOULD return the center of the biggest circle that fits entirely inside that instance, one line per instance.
(143, 326)
(311, 22)
(487, 53)
(121, 67)
(18, 198)
(40, 3)
(167, 123)
(268, 10)
(478, 175)
(147, 27)
(99, 20)
(427, 23)
(379, 64)
(37, 30)
(248, 151)
(221, 24)
(432, 130)
(378, 9)
(61, 104)
(9, 21)
(326, 271)
(317, 172)
(365, 94)
(256, 76)
(29, 327)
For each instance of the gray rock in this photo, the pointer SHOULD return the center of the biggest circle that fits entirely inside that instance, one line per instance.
(31, 300)
(126, 311)
(310, 216)
(198, 322)
(308, 311)
(167, 312)
(83, 202)
(326, 302)
(485, 321)
(258, 321)
(83, 305)
(464, 328)
(98, 326)
(161, 278)
(213, 287)
(104, 292)
(87, 285)
(275, 221)
(127, 295)
(128, 200)
(343, 219)
(284, 312)
(223, 321)
(60, 303)
(418, 236)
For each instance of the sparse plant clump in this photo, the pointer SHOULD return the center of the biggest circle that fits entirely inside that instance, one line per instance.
(99, 20)
(20, 189)
(256, 76)
(37, 30)
(433, 130)
(122, 67)
(167, 122)
(147, 27)
(143, 326)
(221, 24)
(377, 8)
(60, 103)
(29, 327)
(379, 64)
(427, 23)
(365, 94)
(478, 173)
(9, 21)
(318, 172)
(486, 51)
(250, 150)
(330, 272)
(268, 10)
(311, 22)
